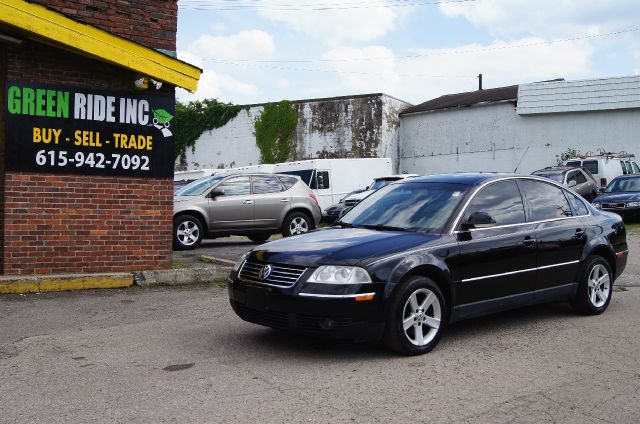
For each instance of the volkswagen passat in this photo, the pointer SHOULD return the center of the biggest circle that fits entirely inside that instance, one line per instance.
(420, 254)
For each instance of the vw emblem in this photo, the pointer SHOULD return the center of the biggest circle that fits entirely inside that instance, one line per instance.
(265, 272)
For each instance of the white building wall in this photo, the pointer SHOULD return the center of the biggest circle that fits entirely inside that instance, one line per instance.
(495, 138)
(346, 127)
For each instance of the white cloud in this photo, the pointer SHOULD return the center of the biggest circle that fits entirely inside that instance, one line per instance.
(333, 26)
(213, 85)
(547, 18)
(251, 44)
(434, 72)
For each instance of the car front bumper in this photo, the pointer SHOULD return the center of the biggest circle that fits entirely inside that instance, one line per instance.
(285, 309)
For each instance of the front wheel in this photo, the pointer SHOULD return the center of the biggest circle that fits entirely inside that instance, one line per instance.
(417, 316)
(296, 223)
(187, 232)
(594, 287)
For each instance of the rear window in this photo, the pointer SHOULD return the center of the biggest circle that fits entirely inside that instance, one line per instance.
(591, 165)
(264, 184)
(573, 163)
(634, 166)
(287, 182)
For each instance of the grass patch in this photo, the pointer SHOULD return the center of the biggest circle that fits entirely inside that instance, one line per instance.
(633, 228)
(178, 265)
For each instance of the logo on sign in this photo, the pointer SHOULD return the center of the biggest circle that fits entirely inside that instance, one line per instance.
(265, 272)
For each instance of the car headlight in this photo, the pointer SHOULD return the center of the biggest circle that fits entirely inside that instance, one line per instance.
(240, 262)
(633, 204)
(339, 275)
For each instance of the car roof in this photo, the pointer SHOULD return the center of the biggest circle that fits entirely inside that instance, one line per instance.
(468, 178)
(556, 169)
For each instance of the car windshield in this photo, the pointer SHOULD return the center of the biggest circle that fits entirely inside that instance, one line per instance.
(407, 207)
(555, 177)
(378, 184)
(198, 187)
(623, 185)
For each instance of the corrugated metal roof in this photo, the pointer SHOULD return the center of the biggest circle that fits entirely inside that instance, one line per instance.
(466, 99)
(579, 96)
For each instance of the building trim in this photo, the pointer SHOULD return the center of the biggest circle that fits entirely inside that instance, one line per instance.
(42, 23)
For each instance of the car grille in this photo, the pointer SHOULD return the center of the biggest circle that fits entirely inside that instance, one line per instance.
(280, 276)
(269, 318)
(310, 324)
(613, 205)
(351, 203)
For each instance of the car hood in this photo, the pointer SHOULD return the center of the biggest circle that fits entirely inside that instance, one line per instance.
(617, 197)
(339, 246)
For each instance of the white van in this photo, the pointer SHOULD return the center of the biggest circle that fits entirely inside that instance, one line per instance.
(607, 166)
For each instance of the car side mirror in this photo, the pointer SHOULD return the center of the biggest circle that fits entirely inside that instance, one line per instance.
(478, 219)
(572, 183)
(601, 189)
(216, 192)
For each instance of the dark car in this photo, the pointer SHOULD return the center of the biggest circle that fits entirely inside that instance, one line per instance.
(420, 254)
(579, 180)
(621, 196)
(333, 212)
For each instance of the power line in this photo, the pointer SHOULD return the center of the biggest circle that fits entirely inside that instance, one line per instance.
(236, 6)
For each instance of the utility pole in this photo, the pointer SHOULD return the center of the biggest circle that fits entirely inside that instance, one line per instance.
(479, 81)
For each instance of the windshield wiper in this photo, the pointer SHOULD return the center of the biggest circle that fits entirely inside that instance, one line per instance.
(381, 227)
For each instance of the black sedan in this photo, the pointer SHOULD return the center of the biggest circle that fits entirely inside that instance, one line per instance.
(621, 196)
(422, 253)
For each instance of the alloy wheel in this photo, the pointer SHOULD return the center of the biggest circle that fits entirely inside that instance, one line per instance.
(421, 317)
(599, 284)
(298, 226)
(188, 233)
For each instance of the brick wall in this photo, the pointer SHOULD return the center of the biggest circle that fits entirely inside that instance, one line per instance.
(75, 223)
(3, 73)
(152, 23)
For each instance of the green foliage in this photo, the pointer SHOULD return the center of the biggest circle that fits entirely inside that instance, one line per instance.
(273, 130)
(567, 154)
(194, 118)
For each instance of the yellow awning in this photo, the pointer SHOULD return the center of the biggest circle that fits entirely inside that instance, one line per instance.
(102, 45)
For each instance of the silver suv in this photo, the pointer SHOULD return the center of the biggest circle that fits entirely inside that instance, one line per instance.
(253, 205)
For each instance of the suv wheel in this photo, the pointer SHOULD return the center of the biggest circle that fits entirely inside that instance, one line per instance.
(594, 287)
(296, 223)
(187, 232)
(417, 316)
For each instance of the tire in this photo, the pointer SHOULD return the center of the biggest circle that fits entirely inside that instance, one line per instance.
(595, 287)
(259, 238)
(188, 232)
(296, 223)
(413, 328)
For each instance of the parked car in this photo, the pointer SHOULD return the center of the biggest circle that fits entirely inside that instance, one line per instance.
(378, 183)
(255, 205)
(332, 213)
(621, 196)
(607, 166)
(420, 254)
(578, 179)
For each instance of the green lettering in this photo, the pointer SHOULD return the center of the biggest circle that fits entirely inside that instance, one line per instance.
(51, 102)
(14, 99)
(40, 93)
(63, 104)
(28, 96)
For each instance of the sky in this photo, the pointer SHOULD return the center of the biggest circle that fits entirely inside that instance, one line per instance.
(256, 51)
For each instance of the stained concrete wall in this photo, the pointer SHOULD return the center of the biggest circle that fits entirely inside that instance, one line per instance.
(341, 127)
(495, 138)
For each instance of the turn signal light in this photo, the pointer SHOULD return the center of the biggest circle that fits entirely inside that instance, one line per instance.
(367, 296)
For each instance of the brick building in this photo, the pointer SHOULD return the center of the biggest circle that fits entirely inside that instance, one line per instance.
(86, 156)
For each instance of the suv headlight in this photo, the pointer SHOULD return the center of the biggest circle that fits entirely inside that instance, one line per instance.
(339, 275)
(633, 204)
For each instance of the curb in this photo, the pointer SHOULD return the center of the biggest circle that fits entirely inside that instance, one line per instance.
(184, 276)
(51, 283)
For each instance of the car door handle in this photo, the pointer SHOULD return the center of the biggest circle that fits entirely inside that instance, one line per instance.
(247, 202)
(579, 233)
(284, 200)
(528, 241)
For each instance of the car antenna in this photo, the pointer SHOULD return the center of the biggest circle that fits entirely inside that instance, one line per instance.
(518, 165)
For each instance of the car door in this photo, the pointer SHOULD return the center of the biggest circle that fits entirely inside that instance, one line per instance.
(497, 258)
(578, 182)
(560, 234)
(234, 209)
(271, 200)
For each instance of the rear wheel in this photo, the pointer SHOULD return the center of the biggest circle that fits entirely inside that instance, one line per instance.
(417, 316)
(296, 223)
(188, 232)
(594, 288)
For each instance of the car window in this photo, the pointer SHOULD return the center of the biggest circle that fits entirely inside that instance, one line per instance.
(571, 176)
(573, 163)
(236, 186)
(591, 165)
(198, 187)
(635, 168)
(417, 206)
(555, 177)
(265, 184)
(631, 184)
(322, 180)
(547, 201)
(501, 201)
(577, 206)
(624, 167)
(287, 182)
(580, 178)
